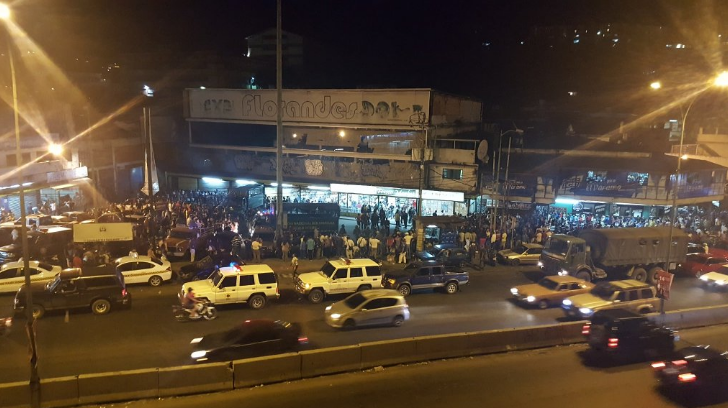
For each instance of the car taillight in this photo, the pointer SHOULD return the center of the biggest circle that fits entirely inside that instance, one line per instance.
(586, 329)
(613, 342)
(303, 340)
(679, 362)
(123, 293)
(658, 365)
(687, 377)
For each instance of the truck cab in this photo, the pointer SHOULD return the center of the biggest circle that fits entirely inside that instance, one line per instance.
(566, 255)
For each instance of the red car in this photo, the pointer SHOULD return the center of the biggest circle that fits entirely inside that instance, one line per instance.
(698, 264)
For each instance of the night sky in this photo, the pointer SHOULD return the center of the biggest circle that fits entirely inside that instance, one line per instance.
(379, 42)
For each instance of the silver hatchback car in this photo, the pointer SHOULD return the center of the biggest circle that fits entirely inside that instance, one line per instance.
(368, 308)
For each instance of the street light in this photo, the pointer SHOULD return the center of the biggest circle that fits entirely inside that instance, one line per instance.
(720, 81)
(55, 149)
(656, 85)
(5, 15)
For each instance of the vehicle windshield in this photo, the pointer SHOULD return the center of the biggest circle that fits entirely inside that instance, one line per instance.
(328, 269)
(354, 300)
(51, 285)
(216, 277)
(520, 249)
(548, 284)
(557, 246)
(181, 234)
(603, 291)
(433, 251)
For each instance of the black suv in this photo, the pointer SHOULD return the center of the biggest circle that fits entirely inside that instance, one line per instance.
(99, 289)
(624, 333)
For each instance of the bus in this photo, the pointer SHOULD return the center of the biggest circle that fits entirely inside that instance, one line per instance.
(302, 217)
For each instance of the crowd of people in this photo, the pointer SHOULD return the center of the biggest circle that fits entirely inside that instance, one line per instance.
(224, 226)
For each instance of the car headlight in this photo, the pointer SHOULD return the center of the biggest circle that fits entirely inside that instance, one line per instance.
(585, 311)
(196, 340)
(514, 291)
(198, 354)
(306, 285)
(335, 316)
(531, 299)
(328, 308)
(704, 278)
(720, 282)
(566, 302)
(563, 272)
(540, 264)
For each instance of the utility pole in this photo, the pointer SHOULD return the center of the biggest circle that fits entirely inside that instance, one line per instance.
(279, 123)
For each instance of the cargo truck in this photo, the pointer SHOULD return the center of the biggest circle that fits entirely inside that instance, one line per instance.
(634, 253)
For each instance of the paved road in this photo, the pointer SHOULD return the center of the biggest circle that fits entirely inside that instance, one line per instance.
(548, 378)
(147, 335)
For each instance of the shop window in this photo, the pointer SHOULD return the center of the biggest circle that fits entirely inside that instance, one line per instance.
(596, 176)
(452, 174)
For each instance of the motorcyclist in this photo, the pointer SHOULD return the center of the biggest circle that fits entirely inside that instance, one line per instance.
(190, 303)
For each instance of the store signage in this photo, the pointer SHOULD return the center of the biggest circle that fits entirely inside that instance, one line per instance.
(603, 184)
(324, 106)
(68, 174)
(515, 205)
(102, 232)
(398, 192)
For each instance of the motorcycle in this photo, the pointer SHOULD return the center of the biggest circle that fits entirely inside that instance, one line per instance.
(205, 310)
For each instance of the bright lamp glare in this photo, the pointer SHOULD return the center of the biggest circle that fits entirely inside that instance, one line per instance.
(55, 149)
(213, 180)
(4, 12)
(656, 85)
(245, 182)
(342, 133)
(684, 157)
(722, 79)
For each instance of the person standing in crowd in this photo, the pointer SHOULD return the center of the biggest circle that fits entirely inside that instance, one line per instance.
(255, 245)
(294, 265)
(310, 247)
(236, 244)
(374, 245)
(397, 217)
(285, 248)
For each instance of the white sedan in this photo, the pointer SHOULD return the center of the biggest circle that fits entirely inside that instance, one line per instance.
(143, 269)
(12, 276)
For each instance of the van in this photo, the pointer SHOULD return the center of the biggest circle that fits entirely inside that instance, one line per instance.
(629, 294)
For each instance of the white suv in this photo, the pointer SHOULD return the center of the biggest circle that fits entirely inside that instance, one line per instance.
(251, 284)
(340, 276)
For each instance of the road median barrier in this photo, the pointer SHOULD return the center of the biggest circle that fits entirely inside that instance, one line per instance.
(59, 392)
(118, 386)
(266, 370)
(184, 380)
(330, 361)
(441, 346)
(389, 352)
(15, 394)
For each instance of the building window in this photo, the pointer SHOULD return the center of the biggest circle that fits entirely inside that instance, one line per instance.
(11, 160)
(452, 174)
(26, 158)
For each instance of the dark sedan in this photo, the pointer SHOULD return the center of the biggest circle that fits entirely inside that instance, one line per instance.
(252, 338)
(448, 255)
(698, 366)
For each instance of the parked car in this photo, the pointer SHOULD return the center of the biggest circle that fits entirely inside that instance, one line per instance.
(425, 275)
(696, 366)
(178, 242)
(523, 254)
(339, 276)
(628, 294)
(701, 263)
(375, 307)
(622, 333)
(550, 290)
(431, 253)
(453, 256)
(252, 338)
(251, 284)
(143, 269)
(99, 289)
(12, 276)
